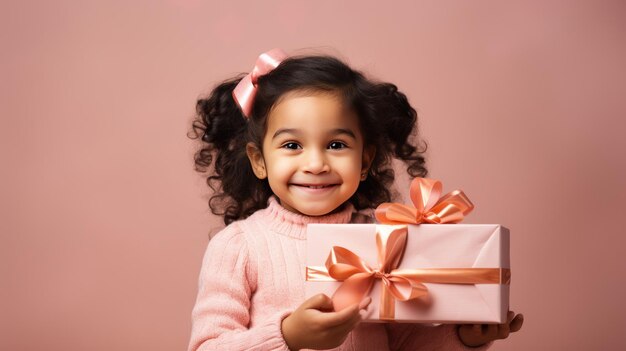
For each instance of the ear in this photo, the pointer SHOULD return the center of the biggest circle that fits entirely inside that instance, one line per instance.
(368, 156)
(256, 160)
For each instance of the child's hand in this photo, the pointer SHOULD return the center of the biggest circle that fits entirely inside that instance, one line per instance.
(314, 325)
(479, 334)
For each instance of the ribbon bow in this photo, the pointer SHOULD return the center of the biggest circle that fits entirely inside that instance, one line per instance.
(245, 91)
(430, 206)
(358, 277)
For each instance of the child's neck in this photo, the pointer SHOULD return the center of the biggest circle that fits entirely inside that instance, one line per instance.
(339, 209)
(278, 219)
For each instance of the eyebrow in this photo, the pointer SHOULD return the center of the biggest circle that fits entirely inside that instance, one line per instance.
(296, 131)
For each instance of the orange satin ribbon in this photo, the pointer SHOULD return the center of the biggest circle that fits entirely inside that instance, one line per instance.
(398, 284)
(430, 206)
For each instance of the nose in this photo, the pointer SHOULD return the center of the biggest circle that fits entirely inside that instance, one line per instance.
(315, 162)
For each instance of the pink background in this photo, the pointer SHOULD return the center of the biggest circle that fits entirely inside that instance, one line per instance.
(104, 221)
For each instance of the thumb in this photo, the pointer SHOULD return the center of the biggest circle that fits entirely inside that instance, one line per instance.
(516, 323)
(319, 302)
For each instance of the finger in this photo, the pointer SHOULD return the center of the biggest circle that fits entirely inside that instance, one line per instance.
(474, 329)
(332, 319)
(503, 331)
(319, 302)
(343, 329)
(509, 316)
(516, 323)
(366, 301)
(354, 321)
(492, 331)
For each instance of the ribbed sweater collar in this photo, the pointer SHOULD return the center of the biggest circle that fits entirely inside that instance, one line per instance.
(281, 220)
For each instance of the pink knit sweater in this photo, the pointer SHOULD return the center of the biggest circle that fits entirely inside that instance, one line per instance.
(252, 277)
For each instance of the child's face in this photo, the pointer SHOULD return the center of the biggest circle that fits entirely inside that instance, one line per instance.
(312, 153)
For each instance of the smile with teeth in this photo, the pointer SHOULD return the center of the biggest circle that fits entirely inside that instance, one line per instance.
(315, 186)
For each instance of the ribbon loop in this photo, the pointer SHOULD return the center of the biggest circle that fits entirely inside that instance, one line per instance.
(343, 263)
(424, 193)
(429, 205)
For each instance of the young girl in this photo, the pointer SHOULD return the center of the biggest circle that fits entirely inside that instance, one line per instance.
(300, 140)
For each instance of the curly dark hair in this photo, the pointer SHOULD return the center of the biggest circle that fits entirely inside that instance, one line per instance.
(386, 118)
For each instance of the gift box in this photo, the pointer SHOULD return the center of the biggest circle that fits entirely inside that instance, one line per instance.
(426, 273)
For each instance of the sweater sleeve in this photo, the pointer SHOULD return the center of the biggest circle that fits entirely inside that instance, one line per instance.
(424, 337)
(221, 317)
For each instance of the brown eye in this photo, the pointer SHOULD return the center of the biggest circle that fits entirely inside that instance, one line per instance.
(292, 146)
(337, 145)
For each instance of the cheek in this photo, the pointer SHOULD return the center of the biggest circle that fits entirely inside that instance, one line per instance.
(352, 169)
(281, 168)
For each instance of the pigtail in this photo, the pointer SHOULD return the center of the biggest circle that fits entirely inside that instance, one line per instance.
(221, 127)
(217, 121)
(401, 129)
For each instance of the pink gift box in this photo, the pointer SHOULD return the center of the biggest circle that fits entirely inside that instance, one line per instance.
(427, 246)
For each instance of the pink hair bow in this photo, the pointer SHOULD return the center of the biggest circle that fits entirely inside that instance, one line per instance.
(245, 91)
